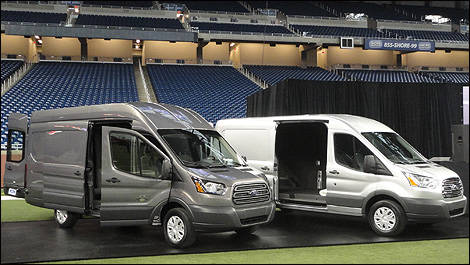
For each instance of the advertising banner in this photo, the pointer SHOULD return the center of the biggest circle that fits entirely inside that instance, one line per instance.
(399, 45)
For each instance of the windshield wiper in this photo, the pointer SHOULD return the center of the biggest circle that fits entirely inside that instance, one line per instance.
(194, 164)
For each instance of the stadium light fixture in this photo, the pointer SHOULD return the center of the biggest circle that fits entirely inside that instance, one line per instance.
(36, 36)
(40, 41)
(232, 44)
(137, 41)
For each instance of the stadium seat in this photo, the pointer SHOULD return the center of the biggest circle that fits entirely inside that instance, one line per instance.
(337, 31)
(215, 92)
(237, 27)
(121, 21)
(448, 77)
(387, 76)
(50, 85)
(33, 17)
(273, 74)
(9, 67)
(427, 35)
(220, 6)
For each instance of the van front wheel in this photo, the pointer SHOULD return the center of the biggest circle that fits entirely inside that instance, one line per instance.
(178, 228)
(387, 218)
(66, 219)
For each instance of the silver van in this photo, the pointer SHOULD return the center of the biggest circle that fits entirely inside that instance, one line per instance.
(135, 164)
(347, 165)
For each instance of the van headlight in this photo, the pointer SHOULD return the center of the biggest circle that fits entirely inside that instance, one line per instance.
(209, 187)
(419, 181)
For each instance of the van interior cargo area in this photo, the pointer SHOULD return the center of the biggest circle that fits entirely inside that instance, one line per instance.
(301, 155)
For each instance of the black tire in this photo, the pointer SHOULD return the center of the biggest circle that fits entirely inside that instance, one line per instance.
(247, 230)
(189, 235)
(66, 219)
(398, 212)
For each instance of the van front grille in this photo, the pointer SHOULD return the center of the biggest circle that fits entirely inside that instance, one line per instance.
(451, 188)
(250, 193)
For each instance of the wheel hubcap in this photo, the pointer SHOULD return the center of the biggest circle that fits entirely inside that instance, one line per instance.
(175, 229)
(61, 216)
(384, 219)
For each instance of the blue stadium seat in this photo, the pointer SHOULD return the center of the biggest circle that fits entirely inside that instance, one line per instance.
(338, 31)
(448, 77)
(221, 6)
(237, 27)
(215, 92)
(34, 17)
(50, 85)
(273, 74)
(428, 35)
(121, 21)
(299, 8)
(388, 76)
(9, 67)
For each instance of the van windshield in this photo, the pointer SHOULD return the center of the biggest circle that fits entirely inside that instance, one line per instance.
(201, 148)
(394, 147)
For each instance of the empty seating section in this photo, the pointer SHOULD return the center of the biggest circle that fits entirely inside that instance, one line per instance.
(370, 9)
(146, 4)
(9, 67)
(50, 85)
(273, 74)
(121, 21)
(428, 35)
(448, 77)
(419, 12)
(215, 92)
(338, 31)
(386, 76)
(235, 27)
(221, 6)
(34, 17)
(292, 8)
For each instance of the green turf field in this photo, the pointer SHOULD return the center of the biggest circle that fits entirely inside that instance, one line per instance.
(432, 251)
(419, 252)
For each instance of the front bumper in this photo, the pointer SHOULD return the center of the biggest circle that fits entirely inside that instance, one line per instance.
(218, 219)
(425, 210)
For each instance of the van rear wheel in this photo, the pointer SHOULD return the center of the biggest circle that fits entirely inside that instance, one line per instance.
(66, 219)
(387, 218)
(178, 228)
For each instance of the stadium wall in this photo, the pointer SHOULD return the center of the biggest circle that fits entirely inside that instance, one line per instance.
(170, 51)
(439, 58)
(212, 51)
(19, 45)
(102, 48)
(264, 54)
(336, 55)
(61, 47)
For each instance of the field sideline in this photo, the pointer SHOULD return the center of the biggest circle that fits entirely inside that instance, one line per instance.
(418, 252)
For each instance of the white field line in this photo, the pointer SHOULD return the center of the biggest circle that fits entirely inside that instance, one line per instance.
(10, 198)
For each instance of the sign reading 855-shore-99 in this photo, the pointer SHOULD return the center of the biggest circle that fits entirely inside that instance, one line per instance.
(399, 45)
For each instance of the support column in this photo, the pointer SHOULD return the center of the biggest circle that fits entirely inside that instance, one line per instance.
(199, 54)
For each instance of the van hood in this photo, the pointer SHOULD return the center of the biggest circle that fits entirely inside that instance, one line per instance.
(429, 170)
(228, 176)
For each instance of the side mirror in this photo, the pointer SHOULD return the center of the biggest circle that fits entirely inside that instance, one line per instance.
(167, 170)
(244, 158)
(374, 166)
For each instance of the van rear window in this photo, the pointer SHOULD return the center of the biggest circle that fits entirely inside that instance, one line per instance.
(15, 150)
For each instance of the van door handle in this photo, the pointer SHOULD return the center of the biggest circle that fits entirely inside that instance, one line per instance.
(9, 167)
(265, 168)
(77, 173)
(335, 172)
(113, 180)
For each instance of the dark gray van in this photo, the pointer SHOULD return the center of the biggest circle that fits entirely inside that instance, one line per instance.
(134, 164)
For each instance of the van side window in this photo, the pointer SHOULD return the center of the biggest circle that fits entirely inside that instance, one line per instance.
(350, 152)
(132, 155)
(15, 146)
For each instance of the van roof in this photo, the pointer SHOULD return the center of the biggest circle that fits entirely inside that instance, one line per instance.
(358, 123)
(164, 116)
